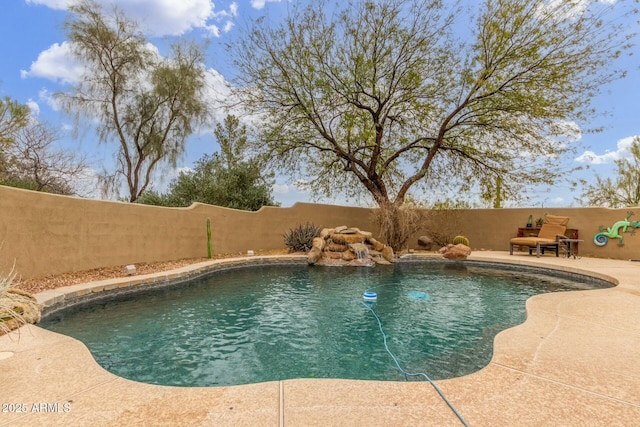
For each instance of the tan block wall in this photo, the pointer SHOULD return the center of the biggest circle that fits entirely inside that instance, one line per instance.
(48, 234)
(491, 229)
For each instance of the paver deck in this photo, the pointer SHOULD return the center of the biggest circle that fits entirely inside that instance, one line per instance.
(574, 362)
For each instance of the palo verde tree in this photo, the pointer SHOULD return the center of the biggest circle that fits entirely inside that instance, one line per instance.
(381, 96)
(624, 190)
(146, 103)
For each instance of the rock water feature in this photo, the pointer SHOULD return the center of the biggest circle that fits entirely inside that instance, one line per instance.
(348, 246)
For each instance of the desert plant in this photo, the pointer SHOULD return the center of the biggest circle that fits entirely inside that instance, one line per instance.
(7, 312)
(397, 224)
(443, 224)
(461, 240)
(300, 238)
(209, 244)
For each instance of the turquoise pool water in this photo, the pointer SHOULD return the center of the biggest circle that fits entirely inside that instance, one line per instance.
(280, 322)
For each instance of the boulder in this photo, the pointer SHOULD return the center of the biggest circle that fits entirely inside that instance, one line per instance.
(458, 251)
(335, 247)
(359, 249)
(378, 246)
(325, 232)
(387, 253)
(425, 242)
(318, 242)
(347, 238)
(314, 255)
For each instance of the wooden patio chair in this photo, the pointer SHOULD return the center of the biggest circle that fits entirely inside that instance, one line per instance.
(548, 238)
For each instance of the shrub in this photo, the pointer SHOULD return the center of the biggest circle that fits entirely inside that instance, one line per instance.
(397, 224)
(300, 238)
(461, 240)
(7, 312)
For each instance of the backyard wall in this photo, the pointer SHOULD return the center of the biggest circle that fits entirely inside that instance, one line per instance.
(48, 234)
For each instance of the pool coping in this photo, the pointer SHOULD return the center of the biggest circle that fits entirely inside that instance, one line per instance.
(573, 361)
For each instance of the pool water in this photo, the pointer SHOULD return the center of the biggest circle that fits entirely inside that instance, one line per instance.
(280, 322)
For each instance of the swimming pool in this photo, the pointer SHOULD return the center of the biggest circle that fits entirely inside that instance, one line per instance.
(279, 322)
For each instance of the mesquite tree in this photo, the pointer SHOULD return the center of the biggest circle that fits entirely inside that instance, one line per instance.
(382, 96)
(146, 103)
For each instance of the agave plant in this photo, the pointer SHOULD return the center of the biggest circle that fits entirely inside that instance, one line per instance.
(300, 238)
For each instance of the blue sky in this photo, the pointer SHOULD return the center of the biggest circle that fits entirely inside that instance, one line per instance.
(35, 64)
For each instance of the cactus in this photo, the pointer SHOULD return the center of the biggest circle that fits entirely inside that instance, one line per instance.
(300, 238)
(461, 240)
(209, 244)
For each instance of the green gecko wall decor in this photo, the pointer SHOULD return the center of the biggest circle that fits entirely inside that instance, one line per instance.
(613, 232)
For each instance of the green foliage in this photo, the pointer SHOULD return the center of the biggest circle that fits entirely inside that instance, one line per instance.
(13, 116)
(222, 179)
(461, 240)
(242, 187)
(145, 103)
(624, 190)
(300, 238)
(383, 97)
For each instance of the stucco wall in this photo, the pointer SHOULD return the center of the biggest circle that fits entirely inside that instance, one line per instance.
(48, 234)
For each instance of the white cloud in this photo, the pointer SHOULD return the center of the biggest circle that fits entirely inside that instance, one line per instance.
(49, 99)
(623, 150)
(57, 64)
(34, 107)
(280, 188)
(564, 9)
(53, 4)
(164, 17)
(259, 4)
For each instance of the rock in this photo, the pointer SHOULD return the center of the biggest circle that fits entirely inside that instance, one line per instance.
(359, 249)
(378, 246)
(333, 255)
(349, 256)
(387, 254)
(425, 242)
(445, 248)
(347, 238)
(336, 247)
(318, 242)
(348, 246)
(458, 251)
(351, 230)
(314, 255)
(325, 232)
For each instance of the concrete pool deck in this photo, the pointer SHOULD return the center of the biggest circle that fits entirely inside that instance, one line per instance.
(575, 361)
